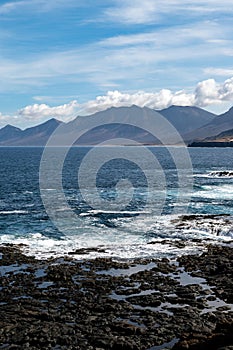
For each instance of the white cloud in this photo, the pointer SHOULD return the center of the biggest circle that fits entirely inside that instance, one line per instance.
(53, 99)
(219, 71)
(41, 111)
(38, 5)
(3, 117)
(206, 93)
(150, 11)
(209, 92)
(135, 12)
(11, 6)
(8, 119)
(135, 59)
(226, 90)
(159, 100)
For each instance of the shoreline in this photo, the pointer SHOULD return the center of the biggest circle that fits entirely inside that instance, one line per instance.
(150, 304)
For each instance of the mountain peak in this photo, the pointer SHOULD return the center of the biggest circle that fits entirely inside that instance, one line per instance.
(33, 136)
(229, 111)
(9, 132)
(10, 127)
(133, 106)
(178, 108)
(52, 121)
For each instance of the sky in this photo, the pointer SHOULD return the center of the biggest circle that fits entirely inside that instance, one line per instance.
(63, 58)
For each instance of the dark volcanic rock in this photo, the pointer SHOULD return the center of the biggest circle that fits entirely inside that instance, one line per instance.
(101, 304)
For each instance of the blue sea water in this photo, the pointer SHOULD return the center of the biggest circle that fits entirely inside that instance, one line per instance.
(147, 215)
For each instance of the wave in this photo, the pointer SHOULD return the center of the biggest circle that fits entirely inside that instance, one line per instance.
(10, 212)
(221, 191)
(43, 247)
(221, 173)
(228, 174)
(123, 212)
(170, 235)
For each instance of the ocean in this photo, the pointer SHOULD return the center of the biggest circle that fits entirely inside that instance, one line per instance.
(146, 208)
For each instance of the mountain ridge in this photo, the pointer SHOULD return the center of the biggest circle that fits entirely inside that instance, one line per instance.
(187, 120)
(32, 136)
(220, 123)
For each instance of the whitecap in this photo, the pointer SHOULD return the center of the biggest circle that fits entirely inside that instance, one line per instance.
(123, 212)
(10, 212)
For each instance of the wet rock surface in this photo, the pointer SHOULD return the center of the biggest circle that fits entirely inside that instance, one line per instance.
(65, 303)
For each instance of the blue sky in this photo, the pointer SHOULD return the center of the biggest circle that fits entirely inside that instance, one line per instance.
(61, 58)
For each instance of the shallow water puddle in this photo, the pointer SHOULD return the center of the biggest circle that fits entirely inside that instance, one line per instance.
(124, 297)
(4, 270)
(40, 273)
(185, 279)
(129, 271)
(165, 345)
(213, 305)
(45, 285)
(161, 308)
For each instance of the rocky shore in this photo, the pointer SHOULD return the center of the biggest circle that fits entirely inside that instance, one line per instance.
(150, 304)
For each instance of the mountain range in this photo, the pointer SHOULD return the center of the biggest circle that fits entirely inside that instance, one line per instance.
(35, 136)
(195, 125)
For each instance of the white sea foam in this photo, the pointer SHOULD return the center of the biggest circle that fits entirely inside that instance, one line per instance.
(146, 237)
(223, 174)
(223, 191)
(121, 212)
(10, 212)
(44, 248)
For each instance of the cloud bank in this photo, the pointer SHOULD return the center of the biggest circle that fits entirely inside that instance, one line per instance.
(206, 93)
(41, 111)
